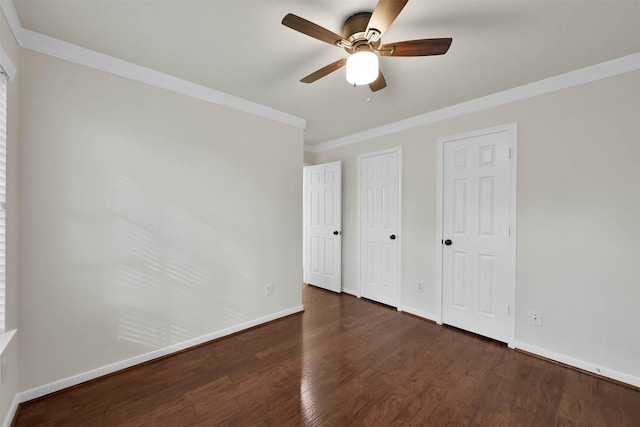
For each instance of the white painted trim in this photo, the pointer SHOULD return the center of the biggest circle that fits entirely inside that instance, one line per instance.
(79, 55)
(358, 232)
(305, 227)
(5, 339)
(9, 10)
(114, 367)
(350, 291)
(6, 64)
(419, 313)
(41, 43)
(513, 247)
(512, 129)
(439, 231)
(592, 73)
(11, 413)
(581, 364)
(399, 233)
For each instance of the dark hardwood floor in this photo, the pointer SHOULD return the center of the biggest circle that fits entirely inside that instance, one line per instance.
(344, 362)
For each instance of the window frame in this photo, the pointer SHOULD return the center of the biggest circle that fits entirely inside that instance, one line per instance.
(4, 83)
(9, 70)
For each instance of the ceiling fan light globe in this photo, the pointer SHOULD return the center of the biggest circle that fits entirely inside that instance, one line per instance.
(362, 68)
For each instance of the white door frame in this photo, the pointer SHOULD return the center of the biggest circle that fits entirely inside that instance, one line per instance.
(304, 222)
(399, 234)
(512, 128)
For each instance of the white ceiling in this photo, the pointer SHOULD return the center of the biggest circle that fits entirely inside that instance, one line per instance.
(240, 47)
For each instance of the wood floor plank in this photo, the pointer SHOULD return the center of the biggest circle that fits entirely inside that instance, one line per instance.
(572, 410)
(630, 407)
(343, 362)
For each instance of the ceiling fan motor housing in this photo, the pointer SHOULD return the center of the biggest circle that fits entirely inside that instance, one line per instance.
(354, 30)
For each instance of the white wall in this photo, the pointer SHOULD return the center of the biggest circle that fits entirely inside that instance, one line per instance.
(578, 209)
(9, 388)
(148, 218)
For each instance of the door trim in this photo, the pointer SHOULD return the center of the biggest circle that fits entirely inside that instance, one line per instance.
(512, 129)
(397, 150)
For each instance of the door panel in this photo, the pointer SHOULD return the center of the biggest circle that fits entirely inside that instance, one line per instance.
(322, 219)
(379, 220)
(475, 267)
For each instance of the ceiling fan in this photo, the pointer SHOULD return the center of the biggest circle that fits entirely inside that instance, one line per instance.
(361, 39)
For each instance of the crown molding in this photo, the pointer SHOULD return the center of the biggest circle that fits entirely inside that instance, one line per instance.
(50, 46)
(592, 73)
(41, 43)
(9, 10)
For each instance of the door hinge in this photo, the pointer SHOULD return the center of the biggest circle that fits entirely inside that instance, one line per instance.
(509, 231)
(508, 310)
(509, 152)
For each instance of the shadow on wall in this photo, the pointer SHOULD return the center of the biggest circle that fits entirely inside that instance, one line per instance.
(167, 277)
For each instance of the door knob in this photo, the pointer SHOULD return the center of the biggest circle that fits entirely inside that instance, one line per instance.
(448, 242)
(335, 233)
(392, 237)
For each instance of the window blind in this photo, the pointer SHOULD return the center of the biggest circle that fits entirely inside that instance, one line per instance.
(3, 192)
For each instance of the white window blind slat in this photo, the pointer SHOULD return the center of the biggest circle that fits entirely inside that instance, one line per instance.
(3, 177)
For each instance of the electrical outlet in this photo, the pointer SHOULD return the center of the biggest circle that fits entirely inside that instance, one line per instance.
(268, 289)
(535, 317)
(420, 287)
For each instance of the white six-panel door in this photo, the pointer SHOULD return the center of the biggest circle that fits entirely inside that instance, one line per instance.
(475, 234)
(323, 225)
(379, 192)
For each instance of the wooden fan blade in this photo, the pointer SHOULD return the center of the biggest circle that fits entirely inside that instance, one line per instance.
(311, 29)
(324, 71)
(379, 83)
(384, 14)
(422, 47)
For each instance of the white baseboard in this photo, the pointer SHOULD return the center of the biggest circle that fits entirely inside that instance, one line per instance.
(351, 292)
(114, 367)
(580, 364)
(12, 412)
(419, 313)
